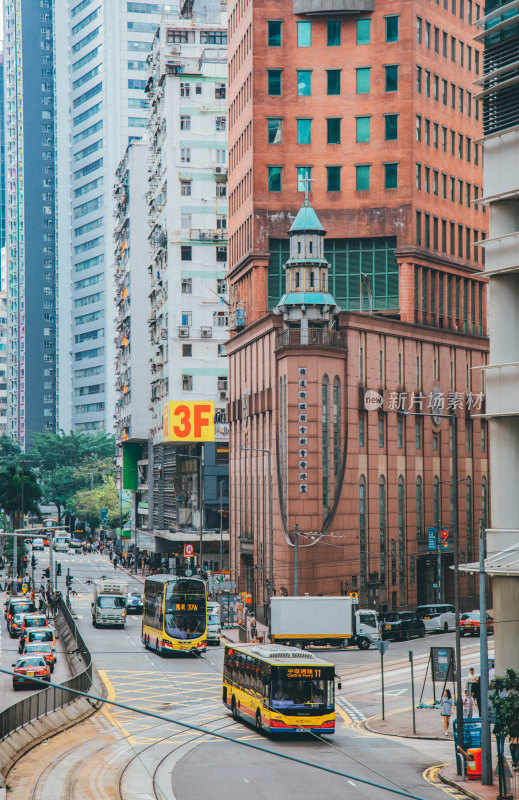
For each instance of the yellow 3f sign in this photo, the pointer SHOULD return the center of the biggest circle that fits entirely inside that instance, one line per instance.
(189, 421)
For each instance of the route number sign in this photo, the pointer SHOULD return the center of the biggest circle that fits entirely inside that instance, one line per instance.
(188, 421)
(189, 550)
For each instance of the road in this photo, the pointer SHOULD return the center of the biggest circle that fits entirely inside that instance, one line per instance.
(143, 758)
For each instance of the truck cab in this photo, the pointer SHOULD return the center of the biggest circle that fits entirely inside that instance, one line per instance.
(109, 606)
(367, 627)
(61, 542)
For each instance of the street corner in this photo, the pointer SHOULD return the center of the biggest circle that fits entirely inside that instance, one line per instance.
(454, 784)
(399, 722)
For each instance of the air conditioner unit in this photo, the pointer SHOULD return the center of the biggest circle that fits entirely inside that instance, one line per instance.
(183, 332)
(218, 170)
(223, 395)
(206, 333)
(205, 235)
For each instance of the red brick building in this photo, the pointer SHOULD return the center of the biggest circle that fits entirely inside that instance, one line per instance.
(377, 108)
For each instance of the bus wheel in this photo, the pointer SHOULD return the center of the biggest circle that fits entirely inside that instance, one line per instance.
(234, 709)
(259, 726)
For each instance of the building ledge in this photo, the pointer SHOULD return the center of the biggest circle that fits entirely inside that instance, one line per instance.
(316, 337)
(317, 7)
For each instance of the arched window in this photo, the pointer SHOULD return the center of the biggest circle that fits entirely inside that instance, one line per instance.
(382, 525)
(325, 430)
(436, 501)
(362, 533)
(484, 501)
(468, 505)
(336, 427)
(419, 508)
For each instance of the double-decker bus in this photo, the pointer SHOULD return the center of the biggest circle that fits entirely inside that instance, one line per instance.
(279, 689)
(175, 614)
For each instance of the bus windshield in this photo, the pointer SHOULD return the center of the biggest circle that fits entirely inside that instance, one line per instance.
(294, 693)
(185, 609)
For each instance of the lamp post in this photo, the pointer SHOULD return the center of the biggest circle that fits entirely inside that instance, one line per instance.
(271, 520)
(453, 420)
(200, 460)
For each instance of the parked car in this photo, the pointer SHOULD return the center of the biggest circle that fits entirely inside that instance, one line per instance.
(29, 667)
(401, 625)
(470, 624)
(134, 603)
(439, 617)
(42, 649)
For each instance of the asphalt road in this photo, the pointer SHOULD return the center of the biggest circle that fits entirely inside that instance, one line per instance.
(188, 689)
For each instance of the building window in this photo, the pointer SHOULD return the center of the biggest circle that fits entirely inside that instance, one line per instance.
(382, 526)
(187, 285)
(381, 432)
(400, 432)
(274, 32)
(468, 498)
(333, 33)
(221, 190)
(187, 318)
(221, 253)
(185, 90)
(274, 130)
(325, 440)
(185, 155)
(304, 34)
(391, 72)
(336, 426)
(391, 176)
(302, 174)
(419, 508)
(362, 429)
(274, 179)
(333, 175)
(187, 350)
(418, 434)
(221, 124)
(363, 80)
(436, 501)
(274, 81)
(391, 127)
(362, 177)
(185, 188)
(333, 81)
(304, 131)
(304, 82)
(363, 31)
(363, 129)
(185, 123)
(419, 23)
(187, 383)
(392, 29)
(362, 533)
(484, 500)
(483, 436)
(418, 176)
(333, 130)
(220, 91)
(468, 435)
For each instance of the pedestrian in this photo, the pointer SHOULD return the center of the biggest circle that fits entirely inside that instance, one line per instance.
(491, 674)
(115, 562)
(41, 600)
(466, 704)
(447, 704)
(514, 751)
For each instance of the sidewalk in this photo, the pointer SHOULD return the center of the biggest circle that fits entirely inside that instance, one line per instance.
(232, 635)
(429, 725)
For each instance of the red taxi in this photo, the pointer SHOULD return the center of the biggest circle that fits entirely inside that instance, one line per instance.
(470, 624)
(27, 668)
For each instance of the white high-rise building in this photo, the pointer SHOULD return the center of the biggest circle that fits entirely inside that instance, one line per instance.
(101, 73)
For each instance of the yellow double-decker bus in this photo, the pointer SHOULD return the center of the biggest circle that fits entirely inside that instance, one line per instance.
(174, 618)
(279, 689)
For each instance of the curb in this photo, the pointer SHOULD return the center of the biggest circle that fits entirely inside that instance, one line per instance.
(403, 735)
(459, 786)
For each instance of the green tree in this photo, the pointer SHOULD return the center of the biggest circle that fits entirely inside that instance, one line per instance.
(505, 700)
(87, 504)
(71, 462)
(20, 492)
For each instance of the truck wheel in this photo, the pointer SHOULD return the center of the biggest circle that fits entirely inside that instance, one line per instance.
(363, 644)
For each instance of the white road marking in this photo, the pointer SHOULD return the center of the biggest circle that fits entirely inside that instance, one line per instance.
(350, 709)
(351, 782)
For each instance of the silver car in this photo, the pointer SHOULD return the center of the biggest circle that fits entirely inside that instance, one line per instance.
(438, 617)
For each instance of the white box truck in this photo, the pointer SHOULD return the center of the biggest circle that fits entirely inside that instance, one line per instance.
(109, 606)
(322, 620)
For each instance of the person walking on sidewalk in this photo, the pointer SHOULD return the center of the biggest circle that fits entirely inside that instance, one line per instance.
(447, 704)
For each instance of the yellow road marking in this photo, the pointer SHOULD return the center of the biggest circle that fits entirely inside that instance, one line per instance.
(432, 776)
(346, 717)
(108, 714)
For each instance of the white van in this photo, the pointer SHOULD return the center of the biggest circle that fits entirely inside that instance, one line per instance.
(61, 542)
(214, 625)
(438, 617)
(37, 544)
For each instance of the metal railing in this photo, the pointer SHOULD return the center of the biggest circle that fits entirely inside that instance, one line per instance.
(43, 702)
(316, 337)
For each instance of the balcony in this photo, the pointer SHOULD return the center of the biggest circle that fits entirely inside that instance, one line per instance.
(207, 235)
(317, 7)
(317, 337)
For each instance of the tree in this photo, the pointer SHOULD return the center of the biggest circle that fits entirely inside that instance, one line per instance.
(505, 701)
(20, 492)
(70, 462)
(87, 504)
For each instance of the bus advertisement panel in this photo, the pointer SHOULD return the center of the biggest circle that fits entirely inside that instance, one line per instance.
(175, 614)
(279, 689)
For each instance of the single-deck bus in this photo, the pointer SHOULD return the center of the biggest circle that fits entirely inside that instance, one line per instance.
(175, 614)
(279, 689)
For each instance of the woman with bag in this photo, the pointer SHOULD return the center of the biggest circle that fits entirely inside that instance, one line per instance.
(447, 704)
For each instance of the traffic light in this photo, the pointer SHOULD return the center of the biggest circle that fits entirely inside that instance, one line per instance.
(47, 572)
(34, 562)
(58, 568)
(69, 580)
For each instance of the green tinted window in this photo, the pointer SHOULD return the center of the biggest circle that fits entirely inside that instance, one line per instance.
(274, 32)
(274, 130)
(304, 131)
(334, 33)
(333, 175)
(391, 127)
(274, 81)
(363, 129)
(304, 34)
(362, 177)
(333, 130)
(334, 81)
(302, 173)
(274, 179)
(363, 82)
(391, 176)
(392, 78)
(363, 31)
(392, 29)
(304, 81)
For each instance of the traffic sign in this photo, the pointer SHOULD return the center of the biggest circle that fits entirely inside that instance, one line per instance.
(189, 551)
(104, 515)
(24, 587)
(382, 645)
(188, 573)
(431, 538)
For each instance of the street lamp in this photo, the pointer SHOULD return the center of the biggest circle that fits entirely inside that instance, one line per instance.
(453, 420)
(200, 460)
(271, 522)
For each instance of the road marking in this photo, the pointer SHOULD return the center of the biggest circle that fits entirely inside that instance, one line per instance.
(351, 782)
(107, 713)
(393, 692)
(353, 712)
(432, 776)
